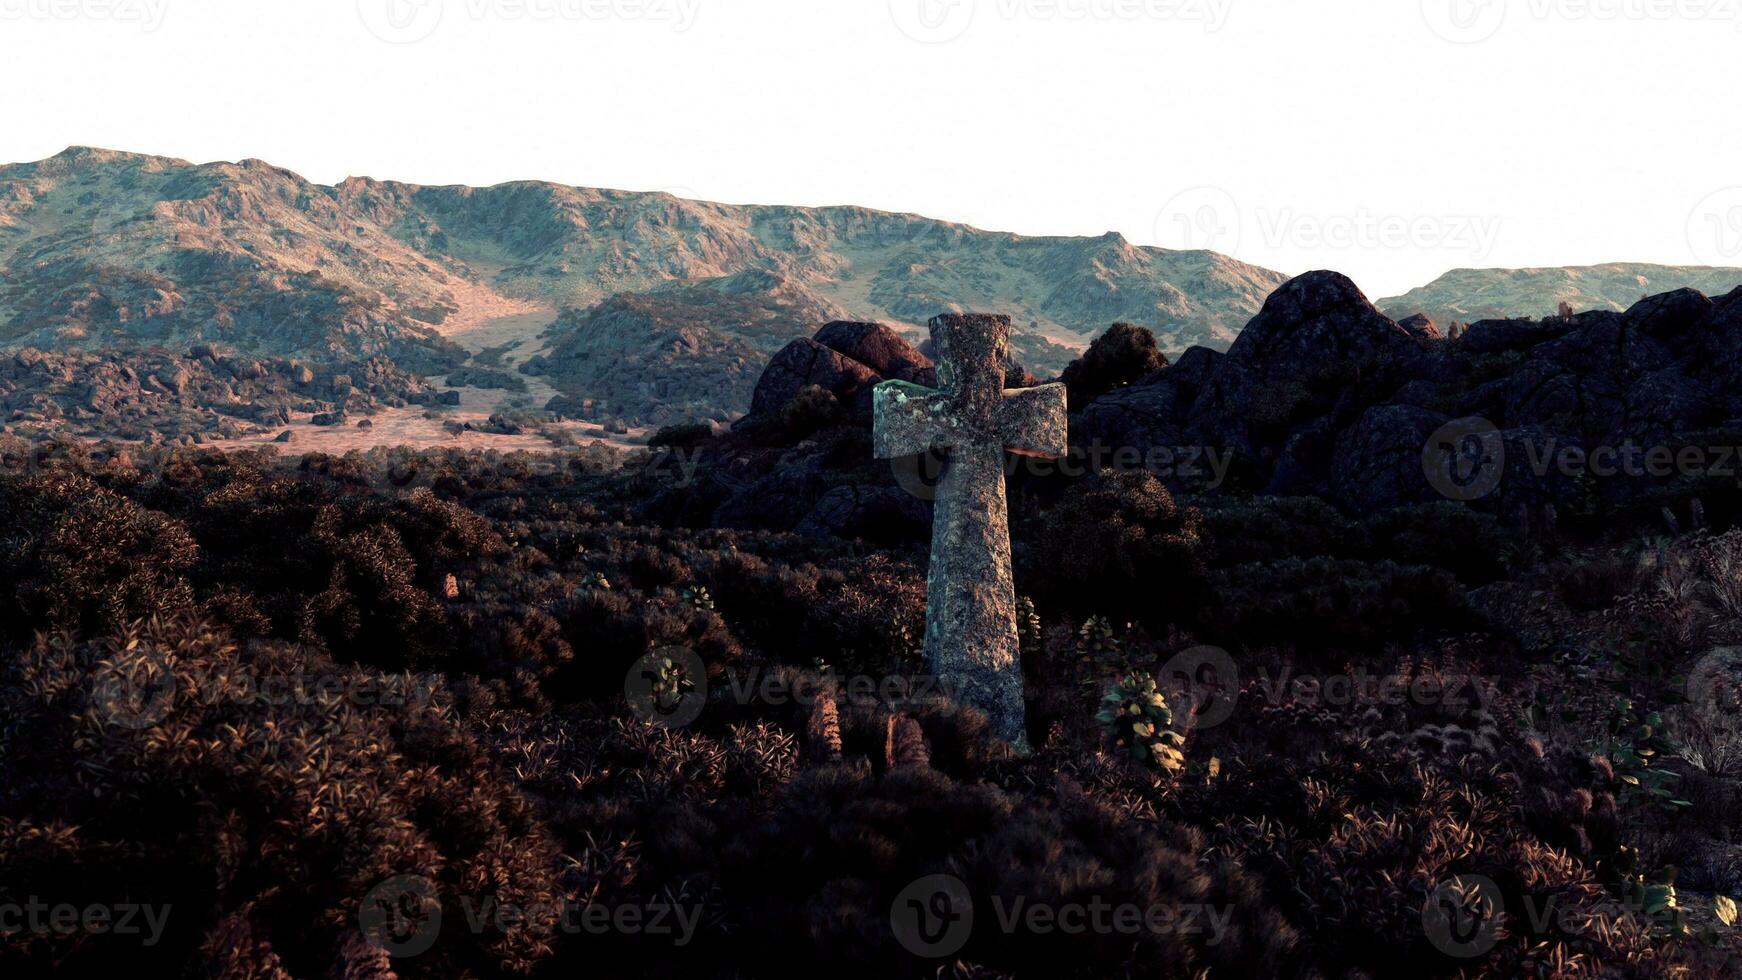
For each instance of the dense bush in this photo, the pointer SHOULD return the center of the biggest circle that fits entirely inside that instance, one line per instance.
(1124, 354)
(1121, 543)
(527, 587)
(1325, 602)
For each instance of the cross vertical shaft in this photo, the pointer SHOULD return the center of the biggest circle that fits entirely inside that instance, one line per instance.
(971, 638)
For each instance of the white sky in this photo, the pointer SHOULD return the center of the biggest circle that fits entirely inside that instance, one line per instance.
(1390, 139)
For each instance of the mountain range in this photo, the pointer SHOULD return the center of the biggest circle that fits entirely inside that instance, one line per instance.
(1473, 295)
(637, 308)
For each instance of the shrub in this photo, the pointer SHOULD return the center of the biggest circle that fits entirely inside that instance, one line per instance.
(1124, 354)
(1117, 546)
(295, 785)
(1329, 603)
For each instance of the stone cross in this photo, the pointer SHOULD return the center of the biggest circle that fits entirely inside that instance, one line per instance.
(971, 637)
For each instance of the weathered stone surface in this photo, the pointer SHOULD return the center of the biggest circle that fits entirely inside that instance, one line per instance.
(880, 348)
(805, 362)
(1421, 326)
(1315, 338)
(875, 514)
(1499, 336)
(971, 631)
(1377, 462)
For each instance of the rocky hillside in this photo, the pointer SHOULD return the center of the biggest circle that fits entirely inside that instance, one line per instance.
(1468, 295)
(575, 247)
(101, 250)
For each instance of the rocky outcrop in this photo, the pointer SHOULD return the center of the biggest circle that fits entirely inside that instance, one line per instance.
(845, 359)
(1323, 394)
(805, 363)
(880, 348)
(205, 392)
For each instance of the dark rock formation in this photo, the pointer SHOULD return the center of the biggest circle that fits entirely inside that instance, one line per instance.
(803, 363)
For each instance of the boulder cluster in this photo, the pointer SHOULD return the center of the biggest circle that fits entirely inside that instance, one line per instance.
(204, 393)
(1324, 395)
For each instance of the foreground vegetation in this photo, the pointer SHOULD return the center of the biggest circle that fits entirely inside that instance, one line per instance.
(415, 665)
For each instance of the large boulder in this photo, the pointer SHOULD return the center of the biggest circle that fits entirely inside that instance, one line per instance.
(1377, 462)
(1421, 326)
(879, 348)
(803, 363)
(1316, 338)
(1501, 336)
(882, 515)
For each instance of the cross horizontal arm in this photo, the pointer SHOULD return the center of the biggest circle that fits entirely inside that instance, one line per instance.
(908, 419)
(1033, 421)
